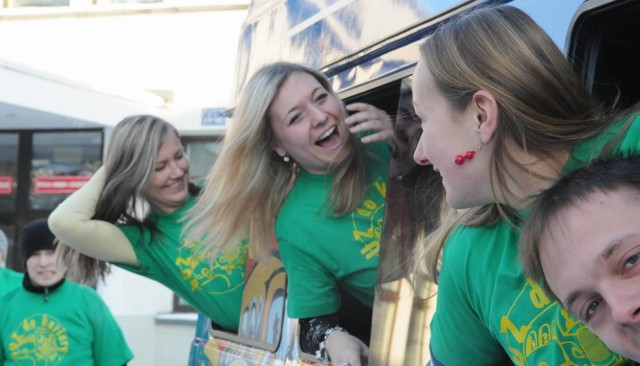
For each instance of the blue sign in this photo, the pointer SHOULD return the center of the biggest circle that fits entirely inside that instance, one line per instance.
(214, 117)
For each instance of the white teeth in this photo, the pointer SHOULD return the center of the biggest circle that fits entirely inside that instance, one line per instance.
(327, 134)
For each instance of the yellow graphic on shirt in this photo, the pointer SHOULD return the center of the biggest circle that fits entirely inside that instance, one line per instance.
(222, 276)
(367, 220)
(40, 340)
(564, 336)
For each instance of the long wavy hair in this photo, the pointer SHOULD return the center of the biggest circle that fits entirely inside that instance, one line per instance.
(130, 160)
(249, 181)
(542, 106)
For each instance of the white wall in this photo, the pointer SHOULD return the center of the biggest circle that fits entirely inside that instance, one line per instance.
(142, 308)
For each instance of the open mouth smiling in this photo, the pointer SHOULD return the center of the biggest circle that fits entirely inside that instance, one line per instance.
(327, 136)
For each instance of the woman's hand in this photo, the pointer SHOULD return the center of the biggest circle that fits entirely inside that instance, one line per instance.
(366, 117)
(345, 349)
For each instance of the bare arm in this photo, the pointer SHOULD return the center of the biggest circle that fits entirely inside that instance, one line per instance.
(71, 222)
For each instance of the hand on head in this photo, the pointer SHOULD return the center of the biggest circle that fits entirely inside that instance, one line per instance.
(370, 118)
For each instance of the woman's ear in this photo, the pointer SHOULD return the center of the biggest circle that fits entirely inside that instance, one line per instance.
(486, 111)
(279, 150)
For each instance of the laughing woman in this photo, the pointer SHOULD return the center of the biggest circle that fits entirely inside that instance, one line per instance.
(146, 168)
(292, 168)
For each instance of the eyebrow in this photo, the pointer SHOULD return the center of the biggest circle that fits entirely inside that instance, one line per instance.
(313, 92)
(605, 254)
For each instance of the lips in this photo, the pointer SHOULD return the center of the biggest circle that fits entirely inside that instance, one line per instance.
(330, 139)
(177, 185)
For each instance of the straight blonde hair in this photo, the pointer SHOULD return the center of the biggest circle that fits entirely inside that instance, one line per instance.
(130, 160)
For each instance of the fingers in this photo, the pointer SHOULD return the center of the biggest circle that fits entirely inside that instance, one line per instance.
(369, 118)
(345, 349)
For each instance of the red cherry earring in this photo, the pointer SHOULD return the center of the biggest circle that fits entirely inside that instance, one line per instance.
(460, 159)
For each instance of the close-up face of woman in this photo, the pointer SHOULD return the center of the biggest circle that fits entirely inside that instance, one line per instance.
(447, 133)
(308, 124)
(168, 188)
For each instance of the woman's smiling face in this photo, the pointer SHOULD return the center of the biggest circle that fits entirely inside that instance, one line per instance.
(308, 124)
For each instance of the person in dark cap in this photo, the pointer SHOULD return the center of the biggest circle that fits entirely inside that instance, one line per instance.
(53, 321)
(9, 279)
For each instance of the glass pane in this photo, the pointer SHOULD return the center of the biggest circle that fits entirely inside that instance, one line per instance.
(62, 162)
(202, 155)
(411, 211)
(8, 171)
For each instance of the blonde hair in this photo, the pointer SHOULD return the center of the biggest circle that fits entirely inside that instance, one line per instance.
(249, 181)
(132, 151)
(542, 106)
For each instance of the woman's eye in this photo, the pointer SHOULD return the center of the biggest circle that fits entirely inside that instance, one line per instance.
(295, 118)
(591, 309)
(321, 97)
(631, 261)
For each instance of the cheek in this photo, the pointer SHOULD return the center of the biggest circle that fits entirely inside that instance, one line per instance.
(157, 180)
(184, 164)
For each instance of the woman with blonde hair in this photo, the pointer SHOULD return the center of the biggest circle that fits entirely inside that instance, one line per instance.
(130, 214)
(292, 168)
(503, 116)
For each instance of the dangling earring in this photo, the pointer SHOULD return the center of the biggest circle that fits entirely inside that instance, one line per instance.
(460, 159)
(286, 158)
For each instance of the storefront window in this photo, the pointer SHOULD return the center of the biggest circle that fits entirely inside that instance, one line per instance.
(202, 154)
(8, 171)
(62, 162)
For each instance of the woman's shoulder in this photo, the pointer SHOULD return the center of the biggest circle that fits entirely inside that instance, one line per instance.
(479, 241)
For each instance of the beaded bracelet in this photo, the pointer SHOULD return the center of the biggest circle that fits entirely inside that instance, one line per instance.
(321, 353)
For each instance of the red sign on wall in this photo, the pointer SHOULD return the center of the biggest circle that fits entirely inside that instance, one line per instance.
(6, 184)
(61, 184)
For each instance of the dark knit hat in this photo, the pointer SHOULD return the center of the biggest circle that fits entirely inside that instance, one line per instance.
(35, 236)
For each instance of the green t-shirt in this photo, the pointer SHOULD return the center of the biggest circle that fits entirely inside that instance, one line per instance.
(215, 290)
(321, 252)
(9, 280)
(74, 327)
(486, 306)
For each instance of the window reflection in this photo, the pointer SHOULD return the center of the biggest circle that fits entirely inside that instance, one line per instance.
(8, 170)
(61, 163)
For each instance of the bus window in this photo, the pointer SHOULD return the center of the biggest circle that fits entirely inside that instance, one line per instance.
(605, 50)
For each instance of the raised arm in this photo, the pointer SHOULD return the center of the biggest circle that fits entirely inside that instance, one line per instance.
(366, 117)
(72, 223)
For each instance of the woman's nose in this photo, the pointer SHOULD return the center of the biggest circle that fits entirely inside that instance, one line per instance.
(419, 156)
(319, 116)
(176, 170)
